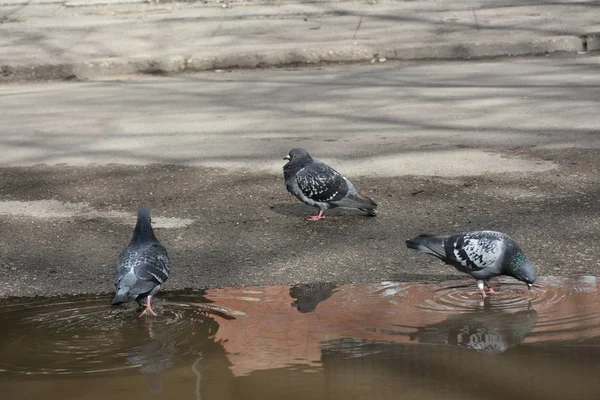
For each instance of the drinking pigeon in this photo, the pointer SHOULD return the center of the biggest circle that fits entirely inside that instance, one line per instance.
(482, 254)
(315, 183)
(142, 267)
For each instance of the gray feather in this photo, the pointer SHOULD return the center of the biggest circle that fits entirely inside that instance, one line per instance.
(356, 200)
(428, 244)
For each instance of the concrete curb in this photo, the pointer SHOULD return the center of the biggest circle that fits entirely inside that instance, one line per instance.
(294, 56)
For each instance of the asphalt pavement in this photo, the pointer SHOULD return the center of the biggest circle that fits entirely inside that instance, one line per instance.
(508, 144)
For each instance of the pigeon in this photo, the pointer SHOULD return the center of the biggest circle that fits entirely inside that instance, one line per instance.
(482, 254)
(317, 184)
(142, 267)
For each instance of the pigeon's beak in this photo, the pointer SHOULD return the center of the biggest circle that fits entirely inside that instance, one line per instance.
(287, 157)
(529, 285)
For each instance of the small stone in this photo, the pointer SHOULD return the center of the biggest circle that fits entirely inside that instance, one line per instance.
(382, 60)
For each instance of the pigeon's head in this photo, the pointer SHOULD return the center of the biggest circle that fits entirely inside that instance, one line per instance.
(522, 269)
(298, 157)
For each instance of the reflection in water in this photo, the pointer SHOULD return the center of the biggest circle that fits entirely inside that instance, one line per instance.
(75, 337)
(488, 331)
(308, 296)
(378, 341)
(154, 353)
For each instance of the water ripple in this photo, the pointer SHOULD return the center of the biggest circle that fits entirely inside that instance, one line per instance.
(568, 309)
(89, 337)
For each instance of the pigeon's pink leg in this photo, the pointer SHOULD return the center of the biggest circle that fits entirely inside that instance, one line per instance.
(487, 284)
(481, 290)
(316, 217)
(148, 309)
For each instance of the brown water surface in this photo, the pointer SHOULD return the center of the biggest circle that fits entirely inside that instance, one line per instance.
(389, 340)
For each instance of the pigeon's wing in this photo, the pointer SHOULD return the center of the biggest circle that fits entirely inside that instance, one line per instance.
(321, 183)
(155, 265)
(477, 251)
(146, 265)
(126, 264)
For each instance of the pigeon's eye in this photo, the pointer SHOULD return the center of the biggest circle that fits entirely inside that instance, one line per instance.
(295, 155)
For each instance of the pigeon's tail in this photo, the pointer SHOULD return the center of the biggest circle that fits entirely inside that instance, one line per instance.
(371, 212)
(433, 245)
(356, 200)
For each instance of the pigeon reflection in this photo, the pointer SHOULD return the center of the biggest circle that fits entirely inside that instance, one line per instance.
(308, 296)
(488, 331)
(153, 354)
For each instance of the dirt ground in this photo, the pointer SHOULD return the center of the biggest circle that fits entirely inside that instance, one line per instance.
(228, 228)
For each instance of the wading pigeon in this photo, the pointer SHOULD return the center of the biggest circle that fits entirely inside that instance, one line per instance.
(142, 267)
(482, 254)
(315, 183)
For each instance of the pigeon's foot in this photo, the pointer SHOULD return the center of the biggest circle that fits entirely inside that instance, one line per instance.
(487, 285)
(480, 286)
(316, 217)
(148, 310)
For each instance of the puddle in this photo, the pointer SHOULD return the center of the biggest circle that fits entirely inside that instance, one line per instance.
(323, 341)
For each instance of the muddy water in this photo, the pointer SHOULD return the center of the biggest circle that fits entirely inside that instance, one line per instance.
(322, 341)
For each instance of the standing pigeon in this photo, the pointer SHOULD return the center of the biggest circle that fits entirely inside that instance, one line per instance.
(142, 267)
(317, 184)
(482, 254)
